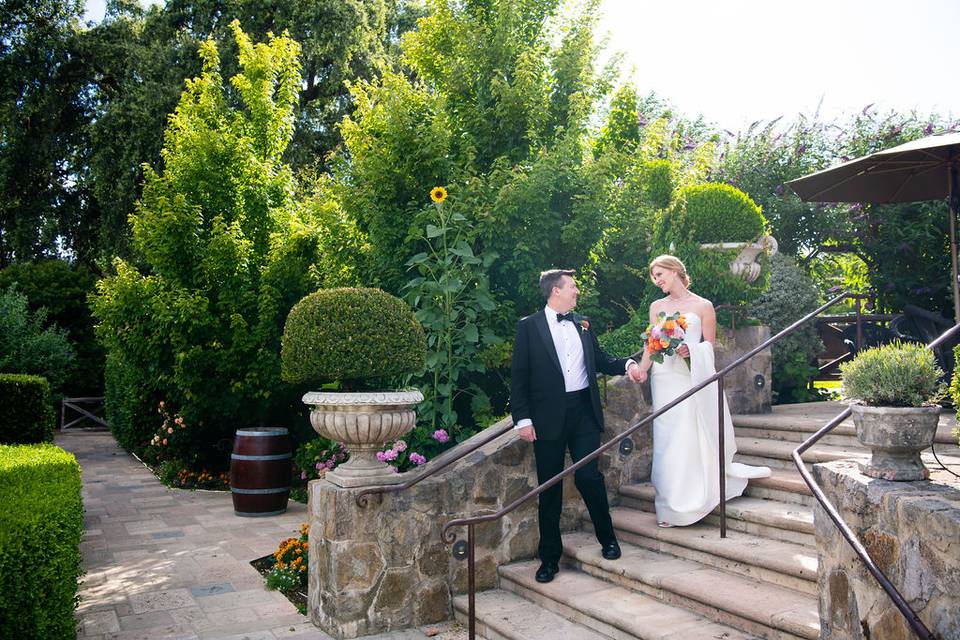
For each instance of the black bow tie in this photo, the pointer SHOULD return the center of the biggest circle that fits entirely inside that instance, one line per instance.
(565, 316)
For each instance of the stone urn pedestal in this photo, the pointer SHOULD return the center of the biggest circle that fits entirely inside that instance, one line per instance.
(896, 436)
(745, 265)
(363, 421)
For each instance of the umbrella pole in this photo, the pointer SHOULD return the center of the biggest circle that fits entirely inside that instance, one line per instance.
(951, 191)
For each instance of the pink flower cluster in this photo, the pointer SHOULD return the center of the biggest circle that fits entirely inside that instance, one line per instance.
(392, 453)
(441, 436)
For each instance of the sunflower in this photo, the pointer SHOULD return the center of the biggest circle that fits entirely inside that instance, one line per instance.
(438, 194)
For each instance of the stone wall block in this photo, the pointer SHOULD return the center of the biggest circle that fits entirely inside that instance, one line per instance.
(432, 602)
(912, 531)
(395, 588)
(742, 394)
(523, 542)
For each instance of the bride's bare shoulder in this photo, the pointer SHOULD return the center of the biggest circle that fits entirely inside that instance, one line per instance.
(704, 305)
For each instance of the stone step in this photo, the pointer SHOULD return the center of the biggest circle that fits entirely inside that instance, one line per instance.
(803, 420)
(781, 563)
(789, 522)
(758, 608)
(776, 454)
(834, 438)
(783, 485)
(503, 615)
(611, 610)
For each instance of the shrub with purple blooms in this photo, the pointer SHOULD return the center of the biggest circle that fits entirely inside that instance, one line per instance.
(419, 446)
(314, 458)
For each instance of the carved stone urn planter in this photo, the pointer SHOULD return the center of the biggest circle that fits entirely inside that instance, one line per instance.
(896, 436)
(745, 264)
(363, 421)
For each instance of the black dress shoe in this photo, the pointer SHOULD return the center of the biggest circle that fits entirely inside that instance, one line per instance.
(610, 550)
(547, 570)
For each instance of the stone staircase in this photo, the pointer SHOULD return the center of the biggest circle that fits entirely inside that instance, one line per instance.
(686, 582)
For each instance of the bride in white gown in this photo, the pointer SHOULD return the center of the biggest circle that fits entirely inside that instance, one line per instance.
(685, 443)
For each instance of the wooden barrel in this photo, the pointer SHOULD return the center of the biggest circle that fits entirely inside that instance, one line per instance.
(260, 468)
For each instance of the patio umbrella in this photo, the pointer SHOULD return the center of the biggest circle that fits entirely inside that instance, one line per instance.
(925, 169)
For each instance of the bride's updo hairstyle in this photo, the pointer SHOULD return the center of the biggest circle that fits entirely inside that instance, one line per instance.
(671, 263)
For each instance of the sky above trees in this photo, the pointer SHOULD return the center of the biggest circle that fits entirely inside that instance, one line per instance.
(737, 61)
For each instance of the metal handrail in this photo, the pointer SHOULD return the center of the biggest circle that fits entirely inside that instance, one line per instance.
(913, 620)
(490, 434)
(449, 537)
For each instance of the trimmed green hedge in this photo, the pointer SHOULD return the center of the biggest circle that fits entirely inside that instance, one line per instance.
(351, 335)
(26, 415)
(721, 213)
(41, 521)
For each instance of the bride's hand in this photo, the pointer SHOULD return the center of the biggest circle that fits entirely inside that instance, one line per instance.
(683, 351)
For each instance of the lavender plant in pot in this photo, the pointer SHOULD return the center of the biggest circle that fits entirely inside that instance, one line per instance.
(895, 389)
(357, 341)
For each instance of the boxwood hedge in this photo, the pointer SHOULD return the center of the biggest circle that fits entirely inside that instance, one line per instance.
(351, 335)
(26, 415)
(41, 521)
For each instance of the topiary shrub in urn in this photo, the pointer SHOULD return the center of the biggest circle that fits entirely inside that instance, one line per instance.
(895, 389)
(360, 339)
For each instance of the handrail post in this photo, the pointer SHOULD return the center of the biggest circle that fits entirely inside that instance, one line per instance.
(471, 587)
(859, 323)
(723, 471)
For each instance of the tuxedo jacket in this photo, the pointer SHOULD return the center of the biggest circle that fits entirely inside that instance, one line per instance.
(537, 390)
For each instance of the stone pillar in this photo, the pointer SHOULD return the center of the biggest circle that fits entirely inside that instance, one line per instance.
(911, 531)
(741, 385)
(385, 567)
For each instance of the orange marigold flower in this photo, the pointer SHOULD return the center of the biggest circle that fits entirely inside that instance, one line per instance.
(669, 325)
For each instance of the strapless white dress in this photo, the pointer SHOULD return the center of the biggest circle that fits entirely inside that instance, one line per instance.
(685, 438)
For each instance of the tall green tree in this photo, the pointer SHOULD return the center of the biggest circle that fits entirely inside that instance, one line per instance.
(228, 254)
(42, 135)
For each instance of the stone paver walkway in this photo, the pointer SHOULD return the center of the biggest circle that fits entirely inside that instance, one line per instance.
(166, 563)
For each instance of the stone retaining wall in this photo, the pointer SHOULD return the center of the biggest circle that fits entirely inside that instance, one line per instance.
(911, 531)
(743, 393)
(385, 567)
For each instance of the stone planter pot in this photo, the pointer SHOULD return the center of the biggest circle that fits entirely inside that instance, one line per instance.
(896, 436)
(745, 265)
(363, 421)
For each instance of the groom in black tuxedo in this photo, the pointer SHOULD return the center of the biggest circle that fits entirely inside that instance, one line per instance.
(555, 404)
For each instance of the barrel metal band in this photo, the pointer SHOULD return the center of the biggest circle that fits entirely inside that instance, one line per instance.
(260, 491)
(264, 434)
(279, 456)
(264, 514)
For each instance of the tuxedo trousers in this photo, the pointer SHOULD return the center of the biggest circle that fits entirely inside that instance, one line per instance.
(581, 436)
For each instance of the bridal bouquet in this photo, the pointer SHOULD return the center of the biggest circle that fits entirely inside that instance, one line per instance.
(665, 337)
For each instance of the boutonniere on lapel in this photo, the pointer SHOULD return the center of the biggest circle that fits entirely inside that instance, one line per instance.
(584, 325)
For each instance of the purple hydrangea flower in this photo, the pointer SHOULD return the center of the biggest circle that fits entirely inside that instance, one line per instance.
(441, 436)
(393, 469)
(303, 475)
(399, 446)
(417, 459)
(389, 454)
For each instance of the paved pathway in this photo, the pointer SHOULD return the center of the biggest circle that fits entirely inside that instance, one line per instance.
(167, 563)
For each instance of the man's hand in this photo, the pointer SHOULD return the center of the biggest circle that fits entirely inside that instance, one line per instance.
(527, 433)
(635, 373)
